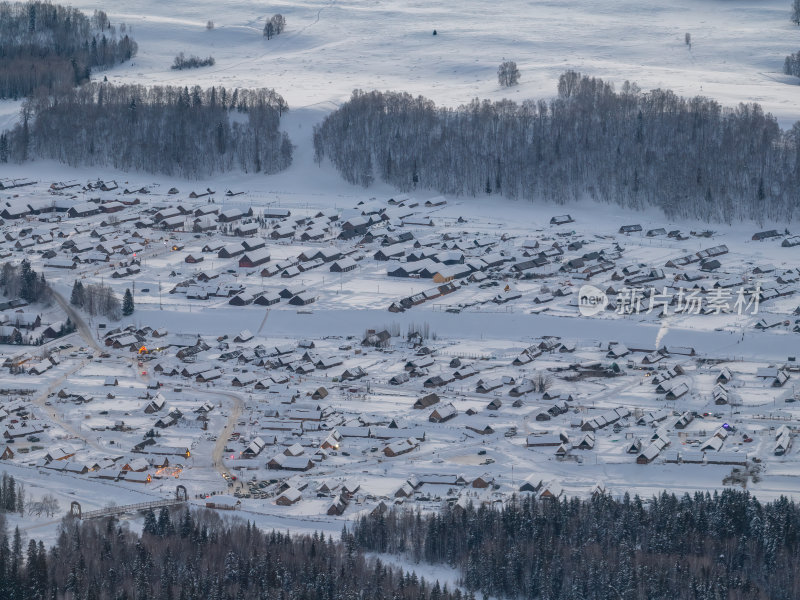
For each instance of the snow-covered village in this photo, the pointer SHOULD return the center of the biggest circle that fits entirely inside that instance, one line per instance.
(331, 341)
(467, 372)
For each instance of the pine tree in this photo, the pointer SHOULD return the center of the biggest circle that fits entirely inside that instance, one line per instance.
(29, 280)
(13, 578)
(11, 495)
(25, 139)
(164, 524)
(3, 492)
(220, 138)
(78, 296)
(20, 501)
(31, 560)
(186, 524)
(127, 303)
(150, 524)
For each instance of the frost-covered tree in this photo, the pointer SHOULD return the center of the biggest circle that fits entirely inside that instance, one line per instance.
(623, 146)
(508, 73)
(99, 299)
(279, 23)
(791, 66)
(191, 62)
(47, 46)
(274, 26)
(181, 130)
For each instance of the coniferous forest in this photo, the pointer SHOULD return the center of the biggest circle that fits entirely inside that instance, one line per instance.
(197, 556)
(692, 157)
(189, 132)
(702, 547)
(47, 53)
(50, 47)
(721, 546)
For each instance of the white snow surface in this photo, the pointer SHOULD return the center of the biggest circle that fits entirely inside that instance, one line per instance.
(330, 48)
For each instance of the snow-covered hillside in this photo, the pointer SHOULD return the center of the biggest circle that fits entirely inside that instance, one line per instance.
(330, 48)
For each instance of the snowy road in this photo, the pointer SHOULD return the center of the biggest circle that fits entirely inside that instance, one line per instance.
(483, 325)
(77, 319)
(222, 437)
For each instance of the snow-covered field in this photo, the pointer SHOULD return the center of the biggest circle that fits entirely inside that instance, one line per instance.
(327, 50)
(330, 48)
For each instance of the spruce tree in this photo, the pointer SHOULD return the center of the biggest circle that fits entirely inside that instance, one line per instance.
(29, 290)
(127, 303)
(78, 296)
(11, 495)
(150, 523)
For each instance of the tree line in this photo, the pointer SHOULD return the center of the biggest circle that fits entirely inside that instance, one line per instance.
(725, 545)
(183, 555)
(48, 46)
(690, 157)
(701, 547)
(188, 132)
